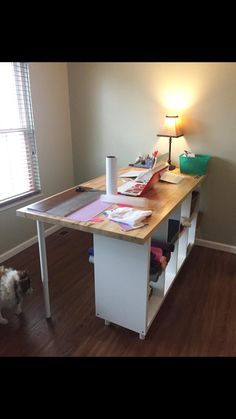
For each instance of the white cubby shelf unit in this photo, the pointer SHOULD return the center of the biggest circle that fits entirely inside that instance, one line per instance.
(183, 240)
(122, 270)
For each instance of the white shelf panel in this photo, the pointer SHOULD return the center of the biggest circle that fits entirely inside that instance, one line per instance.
(168, 280)
(121, 289)
(189, 248)
(182, 250)
(158, 287)
(192, 229)
(153, 306)
(181, 260)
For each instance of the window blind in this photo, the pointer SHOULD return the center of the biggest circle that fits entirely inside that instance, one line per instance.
(19, 171)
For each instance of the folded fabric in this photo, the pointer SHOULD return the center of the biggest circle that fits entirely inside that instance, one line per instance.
(127, 215)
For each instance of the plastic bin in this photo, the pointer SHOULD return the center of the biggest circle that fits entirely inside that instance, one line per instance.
(194, 165)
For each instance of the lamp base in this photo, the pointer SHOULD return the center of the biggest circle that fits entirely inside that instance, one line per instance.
(172, 167)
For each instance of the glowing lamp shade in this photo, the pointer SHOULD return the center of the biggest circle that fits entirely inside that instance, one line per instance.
(171, 129)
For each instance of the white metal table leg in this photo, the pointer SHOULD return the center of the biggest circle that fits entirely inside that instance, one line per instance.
(43, 266)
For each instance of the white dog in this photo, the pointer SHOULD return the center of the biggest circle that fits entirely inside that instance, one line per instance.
(13, 286)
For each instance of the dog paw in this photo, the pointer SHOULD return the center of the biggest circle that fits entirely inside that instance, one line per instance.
(3, 321)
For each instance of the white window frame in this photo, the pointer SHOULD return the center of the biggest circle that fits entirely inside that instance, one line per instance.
(26, 135)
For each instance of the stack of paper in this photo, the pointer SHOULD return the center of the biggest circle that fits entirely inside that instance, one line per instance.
(171, 177)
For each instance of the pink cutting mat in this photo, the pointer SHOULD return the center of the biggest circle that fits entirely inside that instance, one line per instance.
(89, 211)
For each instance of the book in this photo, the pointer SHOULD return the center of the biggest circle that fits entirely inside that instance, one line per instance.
(144, 181)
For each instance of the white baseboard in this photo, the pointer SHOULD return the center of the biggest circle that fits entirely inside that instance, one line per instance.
(12, 252)
(215, 245)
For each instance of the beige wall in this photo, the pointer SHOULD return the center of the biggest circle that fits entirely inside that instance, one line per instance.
(49, 86)
(118, 108)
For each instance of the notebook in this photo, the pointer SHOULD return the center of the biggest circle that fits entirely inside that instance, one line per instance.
(144, 182)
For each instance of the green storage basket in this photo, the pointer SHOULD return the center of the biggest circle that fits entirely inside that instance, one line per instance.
(194, 165)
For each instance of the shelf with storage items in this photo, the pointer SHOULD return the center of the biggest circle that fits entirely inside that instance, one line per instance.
(182, 237)
(138, 306)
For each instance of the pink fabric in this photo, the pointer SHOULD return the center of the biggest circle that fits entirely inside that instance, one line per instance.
(157, 251)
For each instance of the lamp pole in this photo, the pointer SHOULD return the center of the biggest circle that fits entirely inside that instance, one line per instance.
(170, 141)
(171, 166)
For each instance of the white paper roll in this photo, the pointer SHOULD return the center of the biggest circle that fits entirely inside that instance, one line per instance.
(111, 175)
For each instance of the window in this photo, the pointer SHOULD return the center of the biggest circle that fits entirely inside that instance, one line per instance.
(19, 173)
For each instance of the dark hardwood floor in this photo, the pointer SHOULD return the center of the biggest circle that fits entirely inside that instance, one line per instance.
(197, 319)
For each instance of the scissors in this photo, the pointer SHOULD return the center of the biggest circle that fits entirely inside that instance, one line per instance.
(80, 189)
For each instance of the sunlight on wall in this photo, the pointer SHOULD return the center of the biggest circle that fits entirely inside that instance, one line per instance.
(180, 87)
(176, 102)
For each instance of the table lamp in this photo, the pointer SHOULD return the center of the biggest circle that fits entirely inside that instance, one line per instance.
(171, 129)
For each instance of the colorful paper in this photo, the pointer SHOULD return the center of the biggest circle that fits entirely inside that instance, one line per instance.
(89, 211)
